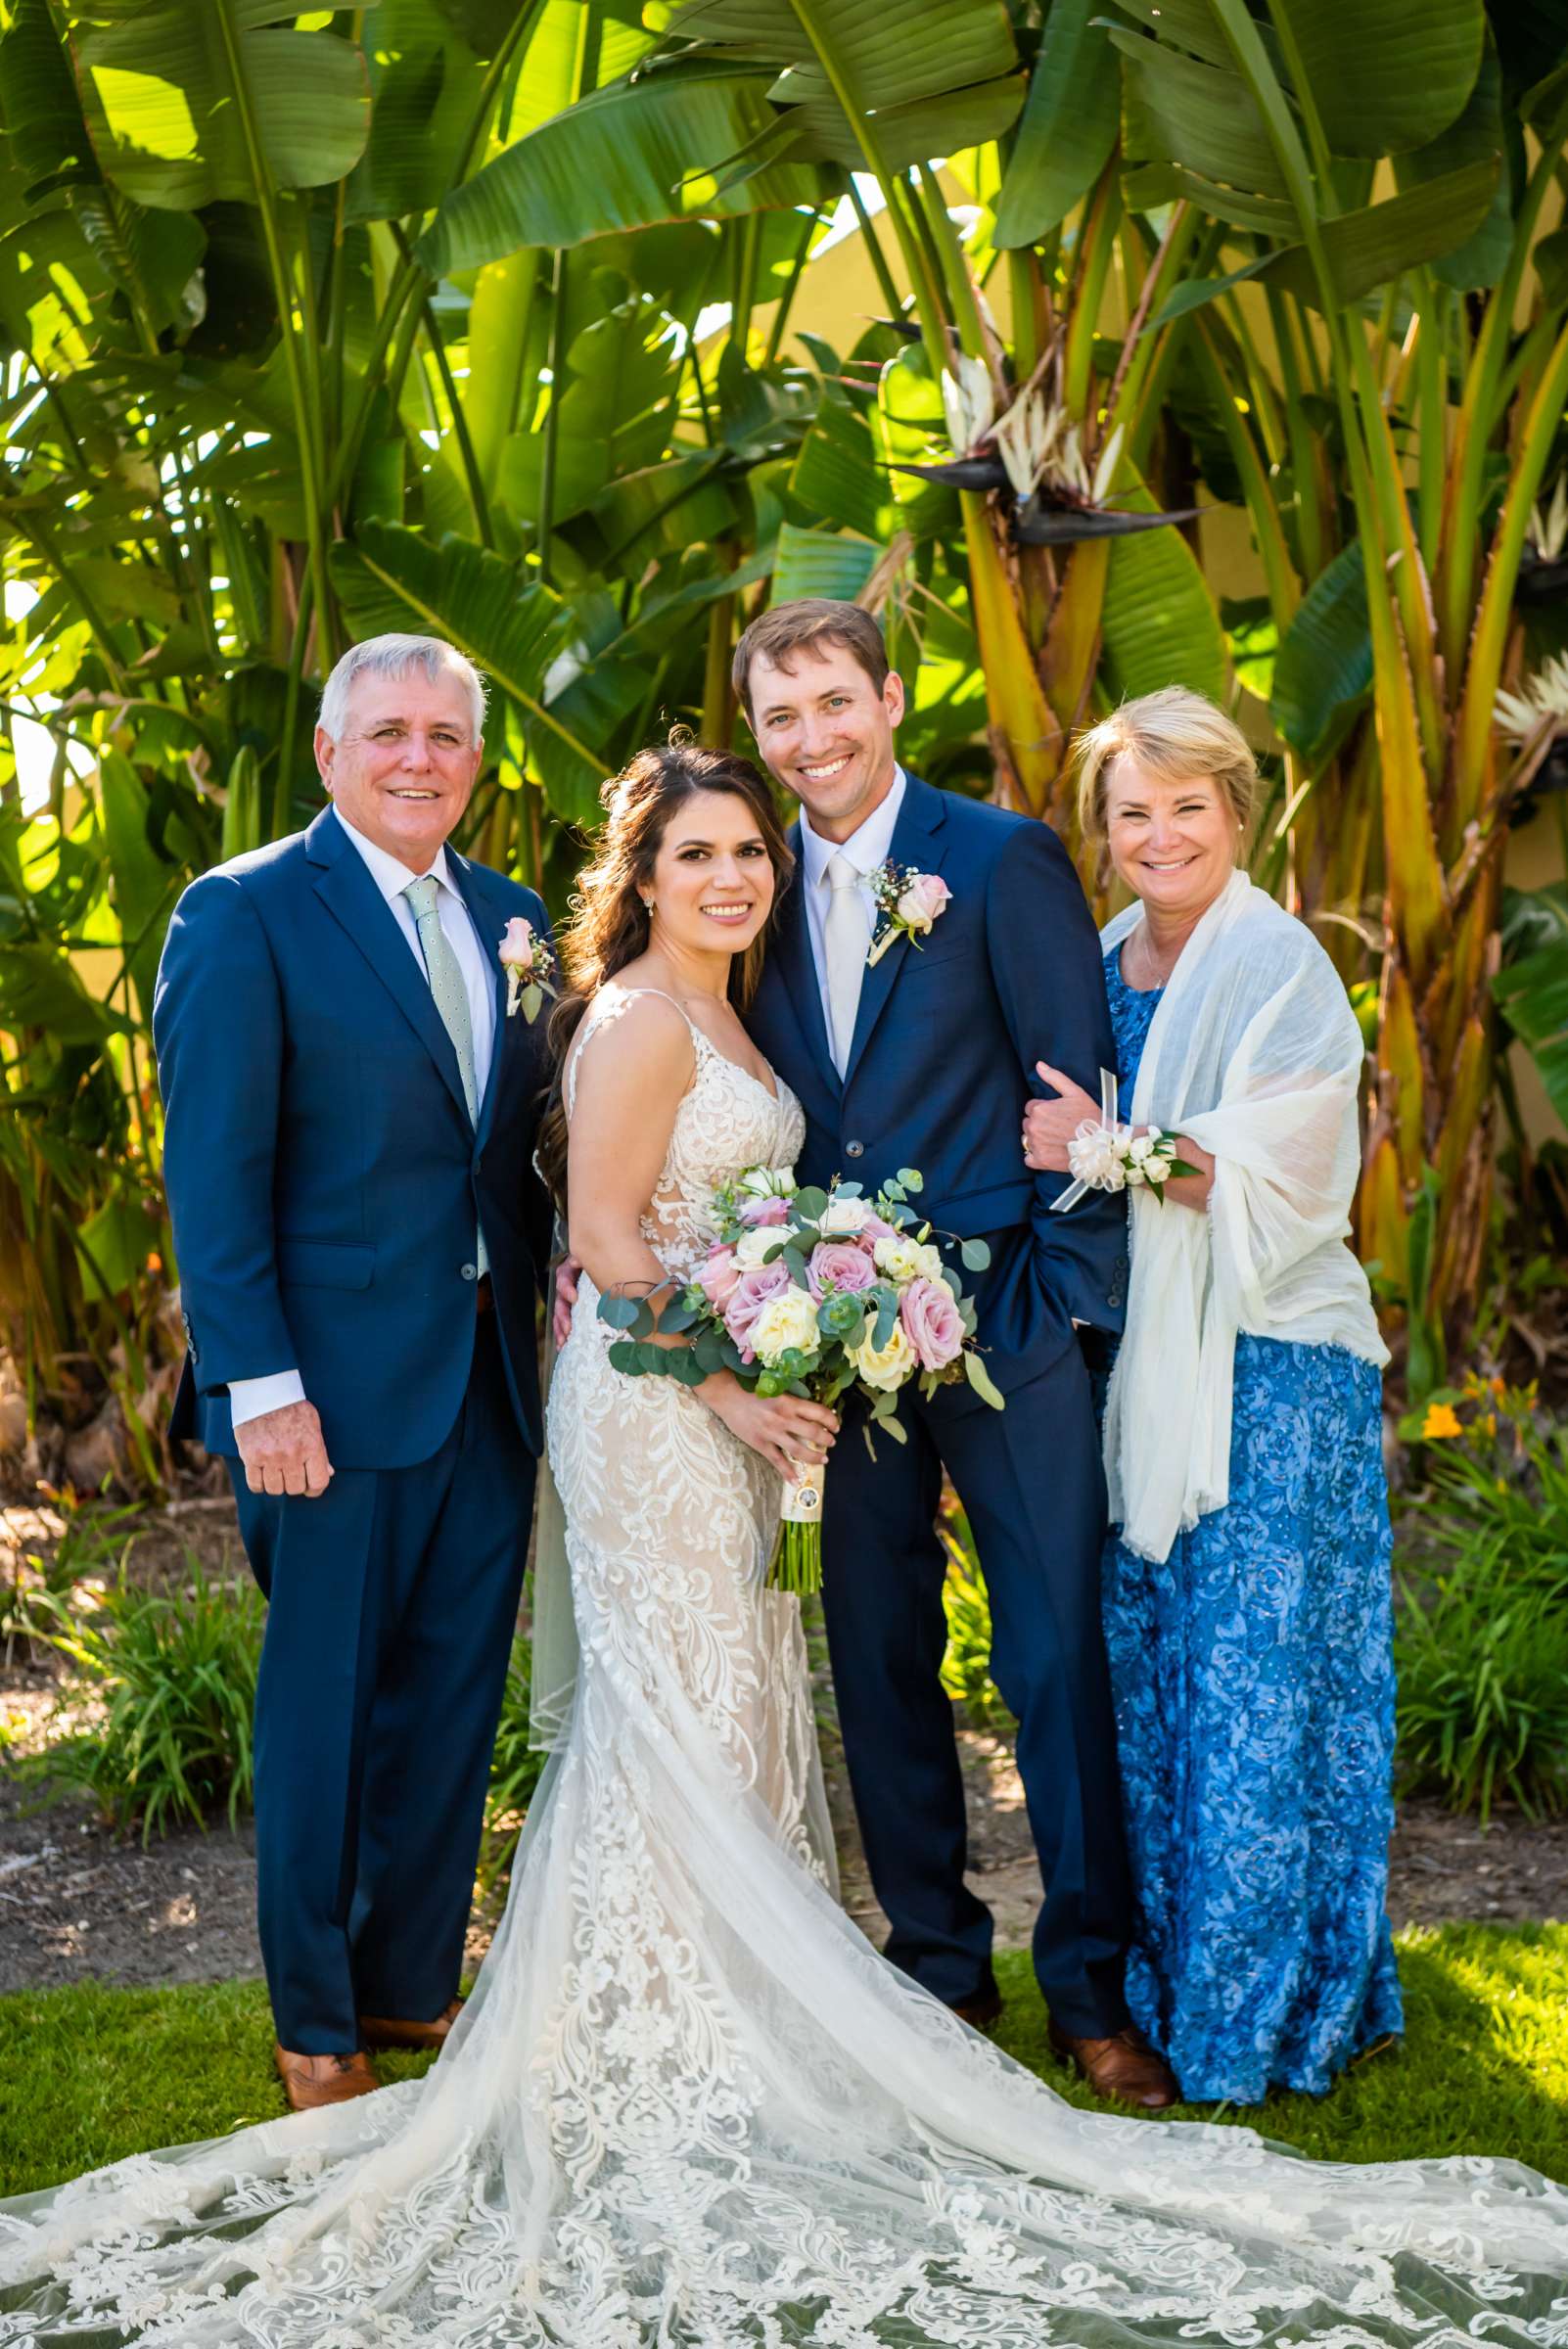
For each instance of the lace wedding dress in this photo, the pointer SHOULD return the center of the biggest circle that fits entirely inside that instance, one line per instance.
(688, 2106)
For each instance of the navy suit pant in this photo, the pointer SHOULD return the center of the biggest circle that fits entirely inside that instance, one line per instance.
(1030, 1482)
(392, 1600)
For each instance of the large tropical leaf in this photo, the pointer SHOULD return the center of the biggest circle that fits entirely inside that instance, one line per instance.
(1479, 133)
(836, 477)
(393, 578)
(887, 51)
(150, 258)
(821, 562)
(1531, 987)
(1159, 621)
(424, 81)
(1068, 130)
(1197, 115)
(623, 157)
(169, 89)
(928, 76)
(1324, 669)
(1423, 223)
(1386, 77)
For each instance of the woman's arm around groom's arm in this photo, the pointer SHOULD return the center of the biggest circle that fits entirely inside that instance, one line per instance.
(1050, 979)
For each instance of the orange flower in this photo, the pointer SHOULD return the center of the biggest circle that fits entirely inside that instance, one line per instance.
(1442, 1419)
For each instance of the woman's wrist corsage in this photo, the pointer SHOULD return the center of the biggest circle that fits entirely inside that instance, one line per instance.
(1106, 1155)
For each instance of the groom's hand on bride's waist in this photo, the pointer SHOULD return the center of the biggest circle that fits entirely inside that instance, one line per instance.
(566, 1297)
(284, 1452)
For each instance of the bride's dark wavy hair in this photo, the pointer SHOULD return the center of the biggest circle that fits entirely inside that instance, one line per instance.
(608, 924)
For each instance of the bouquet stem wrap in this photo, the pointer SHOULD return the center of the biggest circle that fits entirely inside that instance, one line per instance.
(797, 1560)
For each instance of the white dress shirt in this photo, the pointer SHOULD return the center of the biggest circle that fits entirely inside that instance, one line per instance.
(866, 848)
(250, 1398)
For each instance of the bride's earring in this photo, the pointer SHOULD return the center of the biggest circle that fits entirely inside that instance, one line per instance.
(647, 905)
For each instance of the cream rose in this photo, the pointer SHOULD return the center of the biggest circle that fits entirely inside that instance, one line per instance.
(766, 1182)
(842, 1218)
(784, 1323)
(902, 1258)
(885, 1366)
(751, 1249)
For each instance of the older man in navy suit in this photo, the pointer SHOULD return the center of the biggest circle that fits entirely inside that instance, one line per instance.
(350, 1119)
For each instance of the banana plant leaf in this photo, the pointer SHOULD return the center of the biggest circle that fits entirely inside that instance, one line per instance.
(168, 89)
(1068, 128)
(1532, 991)
(620, 158)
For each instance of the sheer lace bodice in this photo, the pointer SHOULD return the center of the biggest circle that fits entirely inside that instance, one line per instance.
(688, 2106)
(727, 1118)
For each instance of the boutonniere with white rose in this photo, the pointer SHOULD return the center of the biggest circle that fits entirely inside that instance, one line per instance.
(907, 901)
(529, 968)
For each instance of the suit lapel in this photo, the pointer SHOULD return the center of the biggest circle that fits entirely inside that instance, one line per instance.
(344, 884)
(470, 881)
(916, 841)
(792, 950)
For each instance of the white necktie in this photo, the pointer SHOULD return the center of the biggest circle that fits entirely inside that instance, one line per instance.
(844, 941)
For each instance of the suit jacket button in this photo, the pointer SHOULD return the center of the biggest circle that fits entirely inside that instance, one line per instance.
(471, 1272)
(855, 1149)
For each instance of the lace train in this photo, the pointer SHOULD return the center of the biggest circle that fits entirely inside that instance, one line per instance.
(688, 2106)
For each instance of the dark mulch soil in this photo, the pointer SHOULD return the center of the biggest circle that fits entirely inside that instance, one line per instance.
(77, 1903)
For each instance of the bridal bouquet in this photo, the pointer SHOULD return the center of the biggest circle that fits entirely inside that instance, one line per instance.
(812, 1292)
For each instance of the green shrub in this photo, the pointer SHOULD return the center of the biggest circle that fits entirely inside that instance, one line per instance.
(1481, 1641)
(92, 1543)
(966, 1665)
(1483, 1692)
(174, 1673)
(515, 1772)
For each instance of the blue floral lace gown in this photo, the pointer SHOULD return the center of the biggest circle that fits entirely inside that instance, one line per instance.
(1254, 1686)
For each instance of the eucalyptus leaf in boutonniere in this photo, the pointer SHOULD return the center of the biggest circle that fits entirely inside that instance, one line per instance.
(529, 968)
(907, 901)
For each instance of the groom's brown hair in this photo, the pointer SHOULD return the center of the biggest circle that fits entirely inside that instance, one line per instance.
(812, 620)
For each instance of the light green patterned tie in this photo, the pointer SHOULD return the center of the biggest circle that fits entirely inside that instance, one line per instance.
(451, 999)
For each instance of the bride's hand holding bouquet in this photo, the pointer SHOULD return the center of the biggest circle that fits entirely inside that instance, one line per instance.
(803, 1295)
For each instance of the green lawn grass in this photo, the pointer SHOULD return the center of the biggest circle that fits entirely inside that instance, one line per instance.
(90, 2073)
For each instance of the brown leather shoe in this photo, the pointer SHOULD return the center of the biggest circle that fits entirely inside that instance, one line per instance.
(383, 2030)
(1124, 2068)
(312, 2081)
(980, 2011)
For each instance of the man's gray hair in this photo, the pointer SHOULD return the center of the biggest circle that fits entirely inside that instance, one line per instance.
(394, 657)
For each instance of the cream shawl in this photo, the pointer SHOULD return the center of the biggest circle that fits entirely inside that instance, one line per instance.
(1254, 1053)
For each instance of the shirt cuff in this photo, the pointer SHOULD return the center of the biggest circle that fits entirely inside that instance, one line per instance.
(248, 1398)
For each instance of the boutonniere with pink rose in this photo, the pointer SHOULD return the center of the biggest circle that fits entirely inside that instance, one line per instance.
(907, 901)
(529, 968)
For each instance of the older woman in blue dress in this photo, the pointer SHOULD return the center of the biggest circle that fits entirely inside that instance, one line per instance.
(1247, 1597)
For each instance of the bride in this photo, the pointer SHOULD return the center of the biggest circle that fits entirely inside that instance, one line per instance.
(688, 2105)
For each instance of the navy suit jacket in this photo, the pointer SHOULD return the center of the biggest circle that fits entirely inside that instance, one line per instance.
(324, 1180)
(942, 1060)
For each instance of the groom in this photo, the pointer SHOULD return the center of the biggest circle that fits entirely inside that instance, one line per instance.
(350, 1119)
(922, 1060)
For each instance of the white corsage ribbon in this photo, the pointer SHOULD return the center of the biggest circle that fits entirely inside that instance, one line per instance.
(1104, 1155)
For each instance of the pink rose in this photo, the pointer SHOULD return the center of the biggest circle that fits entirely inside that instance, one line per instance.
(872, 1230)
(517, 945)
(718, 1277)
(932, 1323)
(844, 1262)
(750, 1294)
(758, 1214)
(922, 900)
